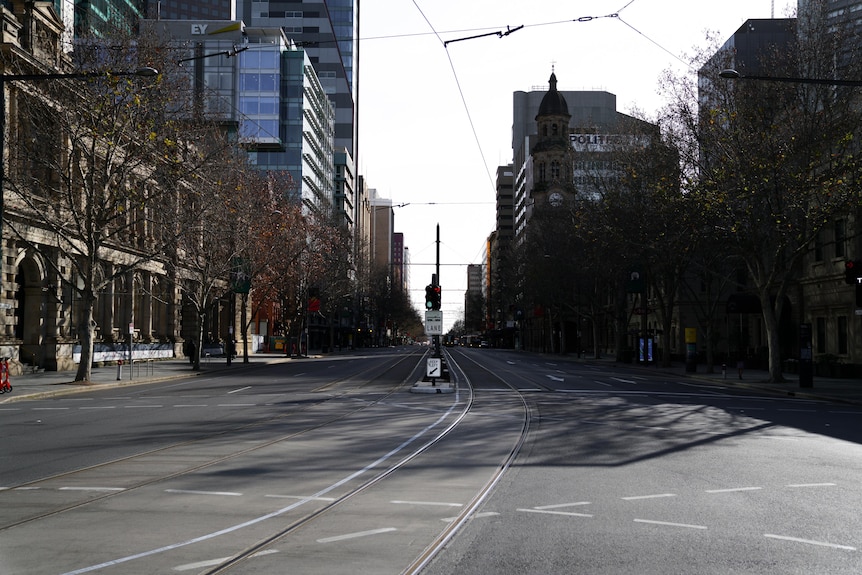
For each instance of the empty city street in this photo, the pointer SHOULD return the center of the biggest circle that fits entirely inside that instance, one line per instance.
(536, 464)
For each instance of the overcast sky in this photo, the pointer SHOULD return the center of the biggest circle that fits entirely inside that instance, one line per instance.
(435, 121)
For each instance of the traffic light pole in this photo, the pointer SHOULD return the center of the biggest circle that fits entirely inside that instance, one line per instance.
(437, 350)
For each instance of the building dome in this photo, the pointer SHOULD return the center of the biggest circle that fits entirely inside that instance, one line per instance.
(553, 104)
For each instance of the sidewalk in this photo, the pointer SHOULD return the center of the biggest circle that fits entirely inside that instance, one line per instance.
(823, 388)
(56, 383)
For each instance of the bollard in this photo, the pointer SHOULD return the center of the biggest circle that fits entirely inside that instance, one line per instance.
(119, 370)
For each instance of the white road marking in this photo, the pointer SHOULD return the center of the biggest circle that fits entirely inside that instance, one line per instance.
(555, 378)
(733, 489)
(99, 407)
(214, 562)
(441, 503)
(240, 389)
(51, 408)
(561, 505)
(302, 497)
(194, 492)
(236, 404)
(142, 406)
(475, 516)
(809, 542)
(547, 512)
(356, 535)
(811, 485)
(668, 524)
(92, 488)
(278, 512)
(190, 405)
(656, 496)
(621, 380)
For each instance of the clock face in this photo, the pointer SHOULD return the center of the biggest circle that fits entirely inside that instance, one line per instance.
(555, 199)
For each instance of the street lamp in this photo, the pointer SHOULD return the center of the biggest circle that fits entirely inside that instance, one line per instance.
(731, 74)
(145, 72)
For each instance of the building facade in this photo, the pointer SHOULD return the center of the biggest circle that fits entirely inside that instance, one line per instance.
(328, 31)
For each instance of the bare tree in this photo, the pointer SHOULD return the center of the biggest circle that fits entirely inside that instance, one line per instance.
(89, 161)
(776, 162)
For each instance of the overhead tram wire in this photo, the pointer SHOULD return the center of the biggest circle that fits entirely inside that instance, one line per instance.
(463, 99)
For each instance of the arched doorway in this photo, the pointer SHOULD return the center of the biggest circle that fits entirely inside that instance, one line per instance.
(31, 300)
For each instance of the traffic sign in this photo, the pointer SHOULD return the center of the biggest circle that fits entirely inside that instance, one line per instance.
(434, 368)
(433, 322)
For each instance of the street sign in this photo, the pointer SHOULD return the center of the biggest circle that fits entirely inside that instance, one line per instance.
(434, 368)
(433, 323)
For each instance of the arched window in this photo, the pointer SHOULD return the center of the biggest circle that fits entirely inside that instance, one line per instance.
(554, 129)
(542, 171)
(555, 170)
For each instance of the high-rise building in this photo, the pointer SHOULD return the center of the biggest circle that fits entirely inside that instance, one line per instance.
(328, 31)
(270, 92)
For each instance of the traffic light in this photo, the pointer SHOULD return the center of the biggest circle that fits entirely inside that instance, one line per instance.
(852, 271)
(432, 297)
(429, 297)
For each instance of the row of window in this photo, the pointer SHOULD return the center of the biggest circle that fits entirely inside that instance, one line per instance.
(841, 335)
(839, 241)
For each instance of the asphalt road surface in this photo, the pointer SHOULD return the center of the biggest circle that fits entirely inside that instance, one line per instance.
(534, 465)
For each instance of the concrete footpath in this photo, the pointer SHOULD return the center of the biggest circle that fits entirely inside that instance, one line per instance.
(55, 383)
(823, 388)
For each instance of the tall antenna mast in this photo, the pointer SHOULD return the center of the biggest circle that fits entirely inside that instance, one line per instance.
(773, 10)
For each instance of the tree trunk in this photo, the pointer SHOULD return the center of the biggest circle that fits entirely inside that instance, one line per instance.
(87, 331)
(770, 321)
(199, 336)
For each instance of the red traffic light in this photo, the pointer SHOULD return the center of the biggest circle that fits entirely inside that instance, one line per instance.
(852, 271)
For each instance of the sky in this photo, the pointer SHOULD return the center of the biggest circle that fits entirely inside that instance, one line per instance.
(435, 114)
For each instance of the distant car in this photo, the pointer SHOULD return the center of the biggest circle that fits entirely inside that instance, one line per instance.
(484, 344)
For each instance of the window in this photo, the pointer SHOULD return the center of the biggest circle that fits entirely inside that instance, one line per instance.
(840, 238)
(818, 247)
(842, 335)
(820, 336)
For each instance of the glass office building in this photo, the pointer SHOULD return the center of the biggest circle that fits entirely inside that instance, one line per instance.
(270, 94)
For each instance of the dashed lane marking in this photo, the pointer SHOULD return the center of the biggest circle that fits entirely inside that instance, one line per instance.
(549, 512)
(439, 503)
(92, 489)
(194, 492)
(669, 524)
(654, 496)
(809, 542)
(301, 497)
(474, 516)
(797, 485)
(356, 535)
(561, 505)
(733, 489)
(214, 562)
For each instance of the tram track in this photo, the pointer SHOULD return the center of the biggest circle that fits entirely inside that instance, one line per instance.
(368, 376)
(452, 527)
(431, 439)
